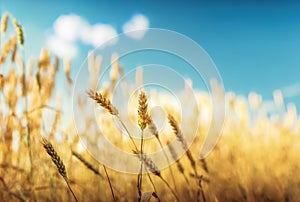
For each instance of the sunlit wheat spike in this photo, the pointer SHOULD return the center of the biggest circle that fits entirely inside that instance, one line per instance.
(149, 164)
(181, 139)
(143, 115)
(153, 129)
(19, 31)
(103, 102)
(177, 132)
(58, 162)
(5, 51)
(55, 158)
(4, 21)
(86, 163)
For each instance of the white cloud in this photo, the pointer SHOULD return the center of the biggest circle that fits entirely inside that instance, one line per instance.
(137, 22)
(69, 30)
(62, 48)
(99, 34)
(68, 27)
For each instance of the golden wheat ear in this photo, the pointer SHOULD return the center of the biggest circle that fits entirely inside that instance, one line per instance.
(58, 162)
(143, 115)
(19, 31)
(4, 23)
(103, 102)
(55, 158)
(150, 165)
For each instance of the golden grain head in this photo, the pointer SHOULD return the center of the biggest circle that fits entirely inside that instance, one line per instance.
(4, 23)
(177, 132)
(103, 102)
(55, 158)
(153, 129)
(150, 165)
(5, 51)
(143, 115)
(19, 31)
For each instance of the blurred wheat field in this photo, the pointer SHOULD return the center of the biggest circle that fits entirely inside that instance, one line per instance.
(256, 158)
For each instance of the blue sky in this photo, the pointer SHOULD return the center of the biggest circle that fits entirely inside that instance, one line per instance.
(254, 44)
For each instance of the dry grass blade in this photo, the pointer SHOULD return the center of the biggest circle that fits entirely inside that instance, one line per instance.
(58, 162)
(103, 102)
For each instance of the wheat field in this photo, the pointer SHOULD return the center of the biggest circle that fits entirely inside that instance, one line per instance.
(41, 157)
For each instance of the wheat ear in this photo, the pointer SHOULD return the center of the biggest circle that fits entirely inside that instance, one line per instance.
(4, 23)
(150, 165)
(181, 139)
(19, 31)
(58, 162)
(103, 102)
(106, 104)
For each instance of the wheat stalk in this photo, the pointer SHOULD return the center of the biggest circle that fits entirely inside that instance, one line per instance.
(143, 120)
(58, 162)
